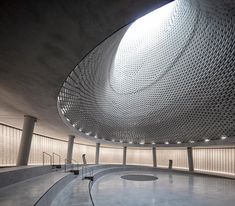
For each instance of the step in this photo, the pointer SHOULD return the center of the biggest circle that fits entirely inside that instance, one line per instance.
(29, 191)
(14, 175)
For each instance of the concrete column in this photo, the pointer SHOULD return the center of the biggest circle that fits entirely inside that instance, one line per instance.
(70, 149)
(124, 155)
(154, 157)
(26, 139)
(190, 159)
(97, 153)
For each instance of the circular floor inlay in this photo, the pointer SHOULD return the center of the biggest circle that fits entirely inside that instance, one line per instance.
(139, 177)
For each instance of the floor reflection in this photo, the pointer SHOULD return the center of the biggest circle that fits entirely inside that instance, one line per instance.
(171, 189)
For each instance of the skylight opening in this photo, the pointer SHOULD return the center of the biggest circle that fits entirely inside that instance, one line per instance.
(149, 23)
(136, 54)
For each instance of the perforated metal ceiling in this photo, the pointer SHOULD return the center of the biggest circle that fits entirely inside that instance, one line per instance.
(174, 83)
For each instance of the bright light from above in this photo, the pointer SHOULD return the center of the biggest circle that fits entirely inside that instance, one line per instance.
(166, 142)
(96, 136)
(130, 142)
(80, 129)
(179, 142)
(223, 137)
(136, 57)
(151, 21)
(121, 141)
(207, 140)
(191, 141)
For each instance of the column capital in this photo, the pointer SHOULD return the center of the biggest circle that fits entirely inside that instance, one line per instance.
(30, 117)
(71, 136)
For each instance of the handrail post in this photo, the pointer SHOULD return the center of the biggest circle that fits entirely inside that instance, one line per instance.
(53, 158)
(43, 157)
(65, 165)
(72, 165)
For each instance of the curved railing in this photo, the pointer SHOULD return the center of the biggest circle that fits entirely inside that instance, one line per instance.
(53, 158)
(71, 165)
(44, 154)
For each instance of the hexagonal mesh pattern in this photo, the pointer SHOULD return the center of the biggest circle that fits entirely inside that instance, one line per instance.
(176, 84)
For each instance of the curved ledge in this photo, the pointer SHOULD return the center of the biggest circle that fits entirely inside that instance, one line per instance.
(14, 175)
(51, 193)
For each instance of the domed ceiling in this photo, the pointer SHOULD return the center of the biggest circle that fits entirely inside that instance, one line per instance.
(166, 79)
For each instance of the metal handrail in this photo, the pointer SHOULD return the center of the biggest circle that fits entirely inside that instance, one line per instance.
(86, 171)
(43, 157)
(72, 160)
(71, 163)
(53, 158)
(75, 160)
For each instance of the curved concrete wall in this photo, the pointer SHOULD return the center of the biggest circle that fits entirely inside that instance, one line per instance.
(220, 160)
(139, 157)
(111, 155)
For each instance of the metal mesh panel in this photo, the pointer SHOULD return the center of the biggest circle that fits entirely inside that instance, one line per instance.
(174, 85)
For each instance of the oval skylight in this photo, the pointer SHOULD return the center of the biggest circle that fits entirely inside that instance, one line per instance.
(137, 56)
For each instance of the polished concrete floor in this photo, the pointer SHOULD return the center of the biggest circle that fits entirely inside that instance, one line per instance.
(76, 193)
(170, 189)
